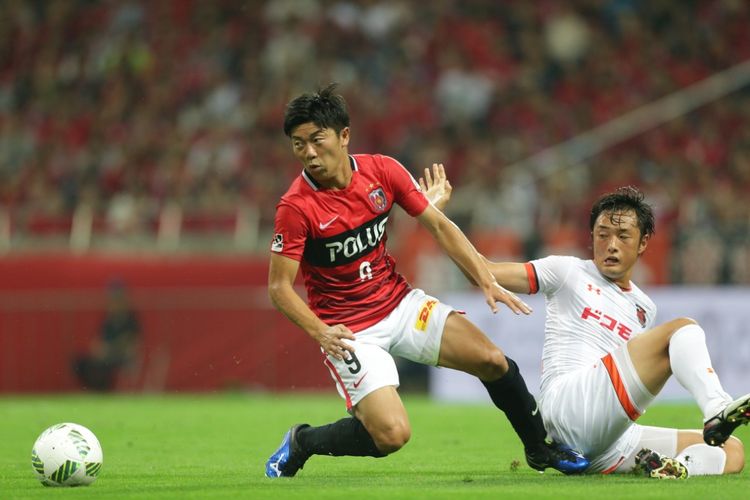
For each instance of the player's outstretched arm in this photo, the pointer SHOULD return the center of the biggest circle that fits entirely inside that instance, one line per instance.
(455, 244)
(436, 186)
(281, 274)
(511, 275)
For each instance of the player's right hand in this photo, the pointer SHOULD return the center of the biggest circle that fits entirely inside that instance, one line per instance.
(496, 293)
(332, 341)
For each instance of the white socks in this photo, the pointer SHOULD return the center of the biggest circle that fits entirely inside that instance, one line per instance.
(691, 365)
(703, 460)
(700, 459)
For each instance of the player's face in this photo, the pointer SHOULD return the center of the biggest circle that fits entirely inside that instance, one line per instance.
(322, 152)
(617, 245)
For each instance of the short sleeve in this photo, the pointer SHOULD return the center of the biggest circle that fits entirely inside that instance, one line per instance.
(550, 272)
(406, 191)
(290, 232)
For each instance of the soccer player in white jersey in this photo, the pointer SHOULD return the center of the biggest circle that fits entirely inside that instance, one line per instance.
(604, 360)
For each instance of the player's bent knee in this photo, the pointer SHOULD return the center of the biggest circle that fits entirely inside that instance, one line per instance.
(684, 321)
(492, 366)
(393, 438)
(735, 456)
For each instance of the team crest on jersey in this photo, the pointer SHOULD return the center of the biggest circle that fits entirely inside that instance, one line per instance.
(641, 312)
(378, 200)
(277, 245)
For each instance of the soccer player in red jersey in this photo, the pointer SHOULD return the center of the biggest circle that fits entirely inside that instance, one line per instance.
(331, 224)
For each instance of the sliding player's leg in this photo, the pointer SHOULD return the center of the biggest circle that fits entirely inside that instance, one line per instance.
(666, 453)
(702, 459)
(679, 347)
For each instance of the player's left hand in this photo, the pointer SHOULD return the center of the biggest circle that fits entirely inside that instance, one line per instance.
(495, 293)
(436, 186)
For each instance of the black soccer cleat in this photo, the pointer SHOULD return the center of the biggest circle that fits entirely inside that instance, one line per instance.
(558, 457)
(289, 457)
(718, 428)
(653, 464)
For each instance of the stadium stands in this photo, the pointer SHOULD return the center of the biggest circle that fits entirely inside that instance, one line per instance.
(145, 114)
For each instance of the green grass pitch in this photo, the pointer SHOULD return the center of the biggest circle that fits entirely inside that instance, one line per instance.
(215, 446)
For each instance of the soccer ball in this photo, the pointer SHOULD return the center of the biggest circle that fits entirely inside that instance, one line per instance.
(66, 455)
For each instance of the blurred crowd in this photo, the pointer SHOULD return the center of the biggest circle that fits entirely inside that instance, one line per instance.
(128, 106)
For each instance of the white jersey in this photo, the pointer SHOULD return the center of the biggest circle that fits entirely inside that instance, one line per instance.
(588, 316)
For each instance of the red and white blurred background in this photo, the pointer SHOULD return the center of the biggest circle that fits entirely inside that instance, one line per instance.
(141, 141)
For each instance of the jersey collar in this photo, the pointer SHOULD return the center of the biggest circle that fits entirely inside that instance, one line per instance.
(315, 185)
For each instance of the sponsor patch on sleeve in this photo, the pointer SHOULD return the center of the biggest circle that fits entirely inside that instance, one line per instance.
(277, 245)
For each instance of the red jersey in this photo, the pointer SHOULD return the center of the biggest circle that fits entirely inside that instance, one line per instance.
(339, 238)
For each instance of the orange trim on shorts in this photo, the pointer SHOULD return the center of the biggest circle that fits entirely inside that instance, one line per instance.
(336, 375)
(619, 387)
(532, 277)
(614, 467)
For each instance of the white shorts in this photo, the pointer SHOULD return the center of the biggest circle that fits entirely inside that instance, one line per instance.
(593, 410)
(412, 331)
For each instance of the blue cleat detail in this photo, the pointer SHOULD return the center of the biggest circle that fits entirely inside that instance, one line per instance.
(558, 457)
(288, 458)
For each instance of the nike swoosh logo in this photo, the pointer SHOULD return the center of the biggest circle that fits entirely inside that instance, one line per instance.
(536, 410)
(356, 384)
(323, 226)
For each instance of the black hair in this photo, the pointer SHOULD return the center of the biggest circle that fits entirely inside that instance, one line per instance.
(324, 108)
(625, 199)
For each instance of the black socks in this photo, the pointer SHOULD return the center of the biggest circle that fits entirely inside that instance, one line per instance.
(345, 437)
(509, 393)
